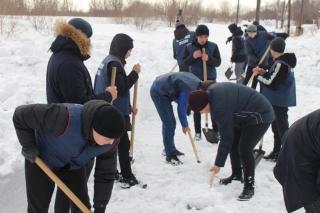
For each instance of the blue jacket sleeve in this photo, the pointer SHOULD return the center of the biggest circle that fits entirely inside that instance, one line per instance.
(182, 108)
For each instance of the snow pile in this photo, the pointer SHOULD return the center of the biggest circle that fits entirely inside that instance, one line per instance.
(23, 61)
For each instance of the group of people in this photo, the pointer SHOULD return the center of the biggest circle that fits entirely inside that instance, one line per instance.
(83, 122)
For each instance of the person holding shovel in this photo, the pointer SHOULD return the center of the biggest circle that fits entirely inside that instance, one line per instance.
(278, 86)
(164, 90)
(194, 58)
(256, 44)
(243, 116)
(120, 49)
(68, 81)
(66, 137)
(239, 56)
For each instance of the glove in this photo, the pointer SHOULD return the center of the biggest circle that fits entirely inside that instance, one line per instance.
(30, 153)
(229, 39)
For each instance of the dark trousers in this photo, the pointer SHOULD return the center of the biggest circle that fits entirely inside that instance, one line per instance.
(104, 175)
(248, 76)
(124, 158)
(197, 123)
(245, 139)
(279, 126)
(40, 188)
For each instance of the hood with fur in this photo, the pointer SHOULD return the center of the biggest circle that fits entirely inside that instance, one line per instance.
(69, 37)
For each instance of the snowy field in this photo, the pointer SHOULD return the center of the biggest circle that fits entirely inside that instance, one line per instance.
(23, 61)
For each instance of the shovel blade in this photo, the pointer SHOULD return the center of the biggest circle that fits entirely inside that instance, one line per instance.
(228, 73)
(210, 135)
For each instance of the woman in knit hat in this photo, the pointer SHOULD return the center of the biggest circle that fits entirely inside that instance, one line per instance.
(243, 116)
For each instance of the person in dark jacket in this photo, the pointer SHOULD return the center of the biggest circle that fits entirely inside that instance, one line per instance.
(259, 26)
(278, 86)
(68, 81)
(120, 50)
(66, 137)
(239, 56)
(298, 168)
(243, 116)
(256, 44)
(164, 90)
(182, 37)
(194, 58)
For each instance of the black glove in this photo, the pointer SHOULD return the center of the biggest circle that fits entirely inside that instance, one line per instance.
(229, 39)
(30, 153)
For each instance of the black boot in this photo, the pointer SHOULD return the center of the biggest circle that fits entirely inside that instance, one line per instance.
(173, 160)
(178, 153)
(273, 156)
(129, 182)
(313, 207)
(226, 181)
(248, 190)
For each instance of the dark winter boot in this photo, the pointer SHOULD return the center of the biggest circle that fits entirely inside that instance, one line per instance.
(273, 156)
(173, 160)
(226, 181)
(178, 153)
(118, 176)
(248, 190)
(129, 182)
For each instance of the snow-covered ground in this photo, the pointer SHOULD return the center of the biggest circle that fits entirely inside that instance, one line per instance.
(23, 60)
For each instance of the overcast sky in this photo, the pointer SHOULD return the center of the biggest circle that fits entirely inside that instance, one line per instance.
(84, 4)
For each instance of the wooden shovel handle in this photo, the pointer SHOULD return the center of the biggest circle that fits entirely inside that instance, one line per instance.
(194, 148)
(61, 185)
(113, 76)
(133, 122)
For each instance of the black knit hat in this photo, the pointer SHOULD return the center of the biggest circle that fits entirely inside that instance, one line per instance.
(198, 100)
(232, 27)
(109, 122)
(82, 25)
(202, 30)
(278, 45)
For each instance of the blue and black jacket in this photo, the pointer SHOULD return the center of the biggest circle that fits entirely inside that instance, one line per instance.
(62, 133)
(234, 105)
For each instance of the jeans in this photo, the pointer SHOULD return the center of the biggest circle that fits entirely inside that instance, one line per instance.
(165, 111)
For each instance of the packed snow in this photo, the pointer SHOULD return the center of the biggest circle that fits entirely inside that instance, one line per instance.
(23, 61)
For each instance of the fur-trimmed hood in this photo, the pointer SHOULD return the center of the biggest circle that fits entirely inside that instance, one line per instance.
(64, 32)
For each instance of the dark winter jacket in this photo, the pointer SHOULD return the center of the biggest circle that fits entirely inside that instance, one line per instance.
(235, 105)
(176, 87)
(238, 48)
(256, 47)
(68, 80)
(278, 84)
(120, 45)
(182, 37)
(61, 132)
(298, 165)
(196, 65)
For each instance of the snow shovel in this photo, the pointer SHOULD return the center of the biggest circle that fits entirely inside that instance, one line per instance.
(133, 121)
(258, 153)
(174, 67)
(229, 73)
(208, 133)
(61, 185)
(194, 148)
